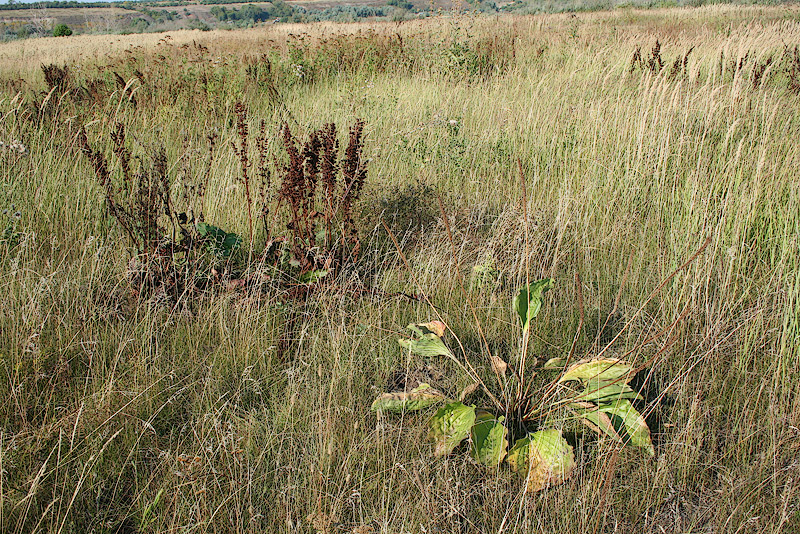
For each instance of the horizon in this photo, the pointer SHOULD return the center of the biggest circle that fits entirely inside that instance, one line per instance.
(16, 2)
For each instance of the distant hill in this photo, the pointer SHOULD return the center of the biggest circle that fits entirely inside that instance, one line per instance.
(38, 19)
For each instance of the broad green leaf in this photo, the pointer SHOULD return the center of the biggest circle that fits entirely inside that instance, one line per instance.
(449, 426)
(489, 439)
(220, 242)
(544, 458)
(601, 391)
(607, 370)
(206, 229)
(209, 230)
(598, 421)
(629, 423)
(528, 301)
(416, 399)
(312, 277)
(321, 235)
(231, 241)
(425, 340)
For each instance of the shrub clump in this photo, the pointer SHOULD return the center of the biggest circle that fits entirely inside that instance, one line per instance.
(61, 30)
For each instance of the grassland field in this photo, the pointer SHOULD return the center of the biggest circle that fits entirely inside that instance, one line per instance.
(156, 18)
(498, 149)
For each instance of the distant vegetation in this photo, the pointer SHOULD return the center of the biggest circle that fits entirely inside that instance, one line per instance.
(53, 5)
(250, 13)
(61, 30)
(159, 16)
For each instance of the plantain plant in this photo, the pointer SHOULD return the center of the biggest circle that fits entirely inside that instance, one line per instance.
(520, 423)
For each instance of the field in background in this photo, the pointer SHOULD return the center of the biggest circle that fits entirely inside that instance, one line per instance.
(248, 410)
(24, 21)
(139, 17)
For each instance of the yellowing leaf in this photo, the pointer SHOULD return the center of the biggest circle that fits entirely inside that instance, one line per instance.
(555, 363)
(598, 421)
(450, 426)
(601, 391)
(607, 370)
(630, 424)
(425, 343)
(437, 327)
(544, 458)
(416, 399)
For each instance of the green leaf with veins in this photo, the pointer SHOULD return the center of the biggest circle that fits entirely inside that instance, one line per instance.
(220, 242)
(598, 421)
(602, 391)
(416, 399)
(425, 342)
(607, 370)
(450, 426)
(489, 439)
(544, 458)
(629, 424)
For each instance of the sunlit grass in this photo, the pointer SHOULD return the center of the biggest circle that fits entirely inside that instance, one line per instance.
(251, 411)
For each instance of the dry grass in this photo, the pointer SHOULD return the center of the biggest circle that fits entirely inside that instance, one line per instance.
(248, 412)
(714, 25)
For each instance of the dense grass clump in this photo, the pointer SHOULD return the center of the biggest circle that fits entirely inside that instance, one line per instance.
(497, 151)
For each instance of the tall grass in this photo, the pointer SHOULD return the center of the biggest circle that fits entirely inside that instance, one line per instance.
(248, 411)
